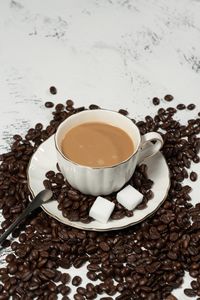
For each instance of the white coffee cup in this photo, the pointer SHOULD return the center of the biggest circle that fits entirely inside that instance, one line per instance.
(104, 180)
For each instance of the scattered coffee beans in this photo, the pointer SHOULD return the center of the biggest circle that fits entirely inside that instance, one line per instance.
(145, 261)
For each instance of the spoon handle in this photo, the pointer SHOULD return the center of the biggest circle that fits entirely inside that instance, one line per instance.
(36, 202)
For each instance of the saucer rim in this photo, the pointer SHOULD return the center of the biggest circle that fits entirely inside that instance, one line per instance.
(80, 225)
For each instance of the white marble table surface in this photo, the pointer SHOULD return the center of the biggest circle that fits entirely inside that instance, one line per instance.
(115, 53)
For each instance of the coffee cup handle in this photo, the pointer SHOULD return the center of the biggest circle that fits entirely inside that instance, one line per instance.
(147, 148)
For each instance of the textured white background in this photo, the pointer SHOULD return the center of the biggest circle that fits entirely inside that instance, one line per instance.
(115, 53)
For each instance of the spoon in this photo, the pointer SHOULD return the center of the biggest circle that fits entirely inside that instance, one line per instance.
(41, 198)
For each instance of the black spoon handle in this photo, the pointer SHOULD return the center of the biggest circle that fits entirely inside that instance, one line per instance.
(41, 198)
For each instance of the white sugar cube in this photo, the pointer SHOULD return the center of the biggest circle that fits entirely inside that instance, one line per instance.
(129, 197)
(101, 209)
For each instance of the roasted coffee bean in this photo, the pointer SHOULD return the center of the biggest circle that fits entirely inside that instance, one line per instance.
(171, 110)
(78, 297)
(65, 278)
(92, 275)
(193, 176)
(93, 267)
(81, 291)
(189, 292)
(69, 102)
(61, 286)
(181, 106)
(173, 236)
(4, 296)
(22, 237)
(90, 295)
(52, 296)
(93, 106)
(26, 276)
(172, 255)
(170, 297)
(17, 137)
(48, 273)
(117, 215)
(194, 266)
(168, 97)
(191, 106)
(70, 109)
(104, 246)
(65, 290)
(194, 273)
(123, 112)
(59, 107)
(53, 90)
(39, 126)
(90, 287)
(52, 286)
(48, 104)
(79, 109)
(12, 267)
(124, 295)
(57, 277)
(50, 174)
(7, 285)
(76, 281)
(154, 234)
(10, 257)
(3, 271)
(194, 284)
(156, 101)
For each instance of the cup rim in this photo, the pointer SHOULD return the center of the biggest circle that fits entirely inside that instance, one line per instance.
(89, 167)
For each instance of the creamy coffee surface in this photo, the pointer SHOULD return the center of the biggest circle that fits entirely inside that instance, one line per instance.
(96, 144)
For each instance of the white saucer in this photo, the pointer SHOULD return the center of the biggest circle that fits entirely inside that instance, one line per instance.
(44, 159)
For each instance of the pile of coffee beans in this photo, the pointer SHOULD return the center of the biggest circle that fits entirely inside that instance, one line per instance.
(75, 206)
(146, 261)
